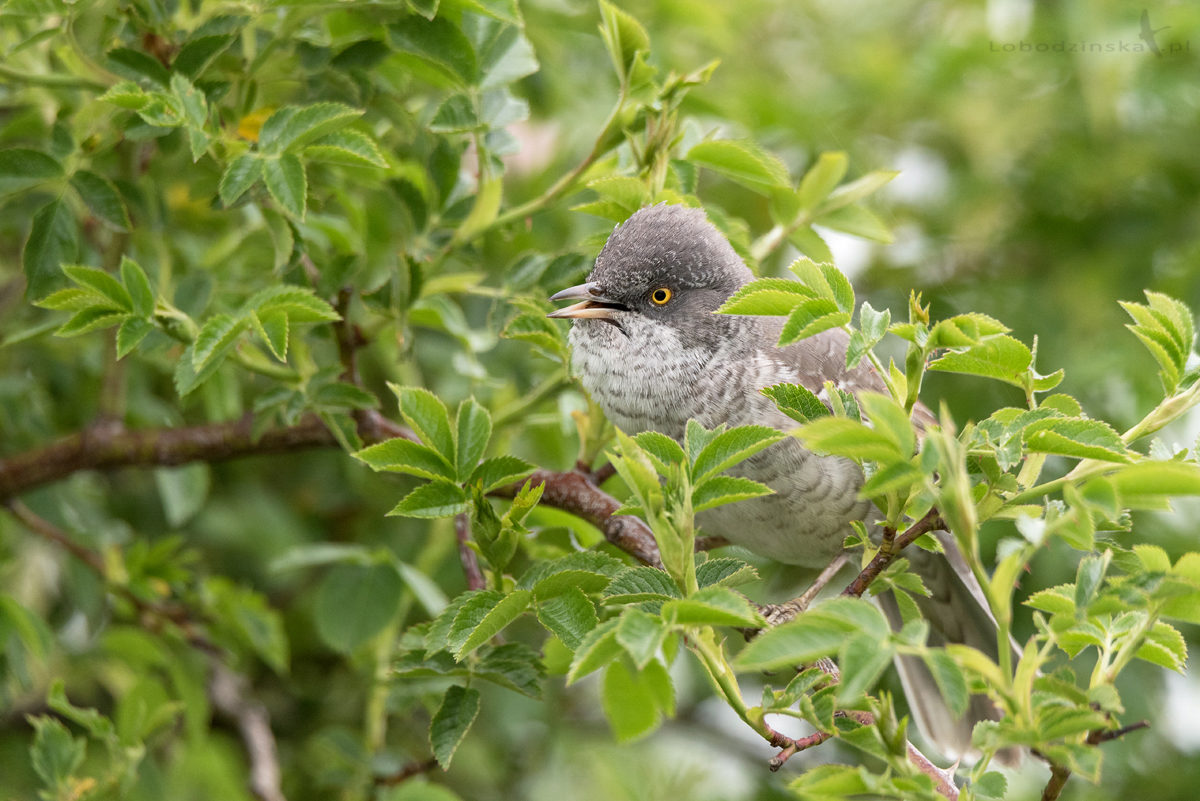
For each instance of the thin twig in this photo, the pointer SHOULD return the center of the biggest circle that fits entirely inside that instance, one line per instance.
(406, 773)
(782, 613)
(48, 531)
(890, 549)
(228, 691)
(470, 562)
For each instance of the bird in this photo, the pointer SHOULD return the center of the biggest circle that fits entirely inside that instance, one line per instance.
(650, 350)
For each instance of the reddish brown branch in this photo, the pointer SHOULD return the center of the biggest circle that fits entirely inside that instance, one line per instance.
(573, 492)
(890, 549)
(795, 747)
(406, 773)
(46, 530)
(470, 562)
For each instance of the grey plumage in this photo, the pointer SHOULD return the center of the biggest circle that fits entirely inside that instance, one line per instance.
(655, 365)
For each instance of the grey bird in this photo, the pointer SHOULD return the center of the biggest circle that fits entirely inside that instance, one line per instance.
(650, 351)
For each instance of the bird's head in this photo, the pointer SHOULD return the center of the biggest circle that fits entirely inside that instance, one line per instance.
(664, 266)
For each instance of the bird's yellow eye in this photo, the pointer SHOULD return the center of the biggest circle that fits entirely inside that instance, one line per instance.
(660, 296)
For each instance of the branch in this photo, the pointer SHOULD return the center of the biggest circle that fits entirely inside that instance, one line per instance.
(572, 492)
(228, 692)
(470, 562)
(406, 773)
(1060, 774)
(890, 549)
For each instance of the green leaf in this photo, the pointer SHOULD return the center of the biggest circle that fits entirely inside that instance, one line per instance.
(53, 239)
(1076, 437)
(287, 183)
(720, 490)
(642, 583)
(21, 168)
(399, 455)
(743, 162)
(55, 754)
(730, 447)
(811, 318)
(598, 648)
(1165, 647)
(826, 282)
(590, 571)
(767, 296)
(796, 401)
(216, 338)
(816, 633)
(1000, 357)
(440, 44)
(136, 65)
(512, 665)
(890, 420)
(964, 330)
(272, 328)
(195, 55)
(726, 570)
(641, 635)
(435, 499)
(949, 678)
(90, 319)
(291, 128)
(183, 491)
(131, 332)
(349, 147)
(301, 305)
(862, 660)
(872, 325)
(569, 615)
(623, 35)
(841, 436)
(136, 283)
(464, 640)
(355, 602)
(451, 722)
(858, 189)
(991, 786)
(857, 221)
(427, 415)
(661, 448)
(821, 178)
(630, 702)
(101, 283)
(713, 606)
(500, 471)
(1147, 485)
(241, 173)
(102, 198)
(251, 620)
(474, 426)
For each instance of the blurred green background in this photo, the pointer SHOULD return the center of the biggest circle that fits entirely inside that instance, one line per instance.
(1040, 184)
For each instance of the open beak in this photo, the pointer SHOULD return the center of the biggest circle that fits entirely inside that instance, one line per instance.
(592, 303)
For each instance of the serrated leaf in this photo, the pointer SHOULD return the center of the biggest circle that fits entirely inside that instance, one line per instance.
(291, 128)
(427, 415)
(713, 606)
(623, 35)
(569, 615)
(287, 183)
(796, 401)
(102, 198)
(742, 161)
(1080, 438)
(90, 319)
(720, 490)
(872, 326)
(400, 455)
(999, 357)
(136, 65)
(730, 447)
(439, 43)
(53, 239)
(726, 571)
(101, 283)
(598, 648)
(55, 754)
(272, 328)
(500, 471)
(349, 147)
(136, 283)
(640, 635)
(195, 55)
(132, 331)
(949, 679)
(301, 305)
(642, 583)
(435, 499)
(816, 633)
(452, 721)
(512, 665)
(861, 660)
(889, 419)
(661, 448)
(630, 702)
(811, 318)
(858, 221)
(767, 296)
(73, 299)
(241, 173)
(474, 429)
(1059, 600)
(826, 281)
(821, 178)
(354, 603)
(1165, 647)
(841, 436)
(964, 330)
(508, 609)
(215, 339)
(21, 168)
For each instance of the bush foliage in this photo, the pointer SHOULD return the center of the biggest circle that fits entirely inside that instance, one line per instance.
(303, 502)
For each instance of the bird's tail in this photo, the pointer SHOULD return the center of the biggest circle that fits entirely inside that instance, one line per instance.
(957, 613)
